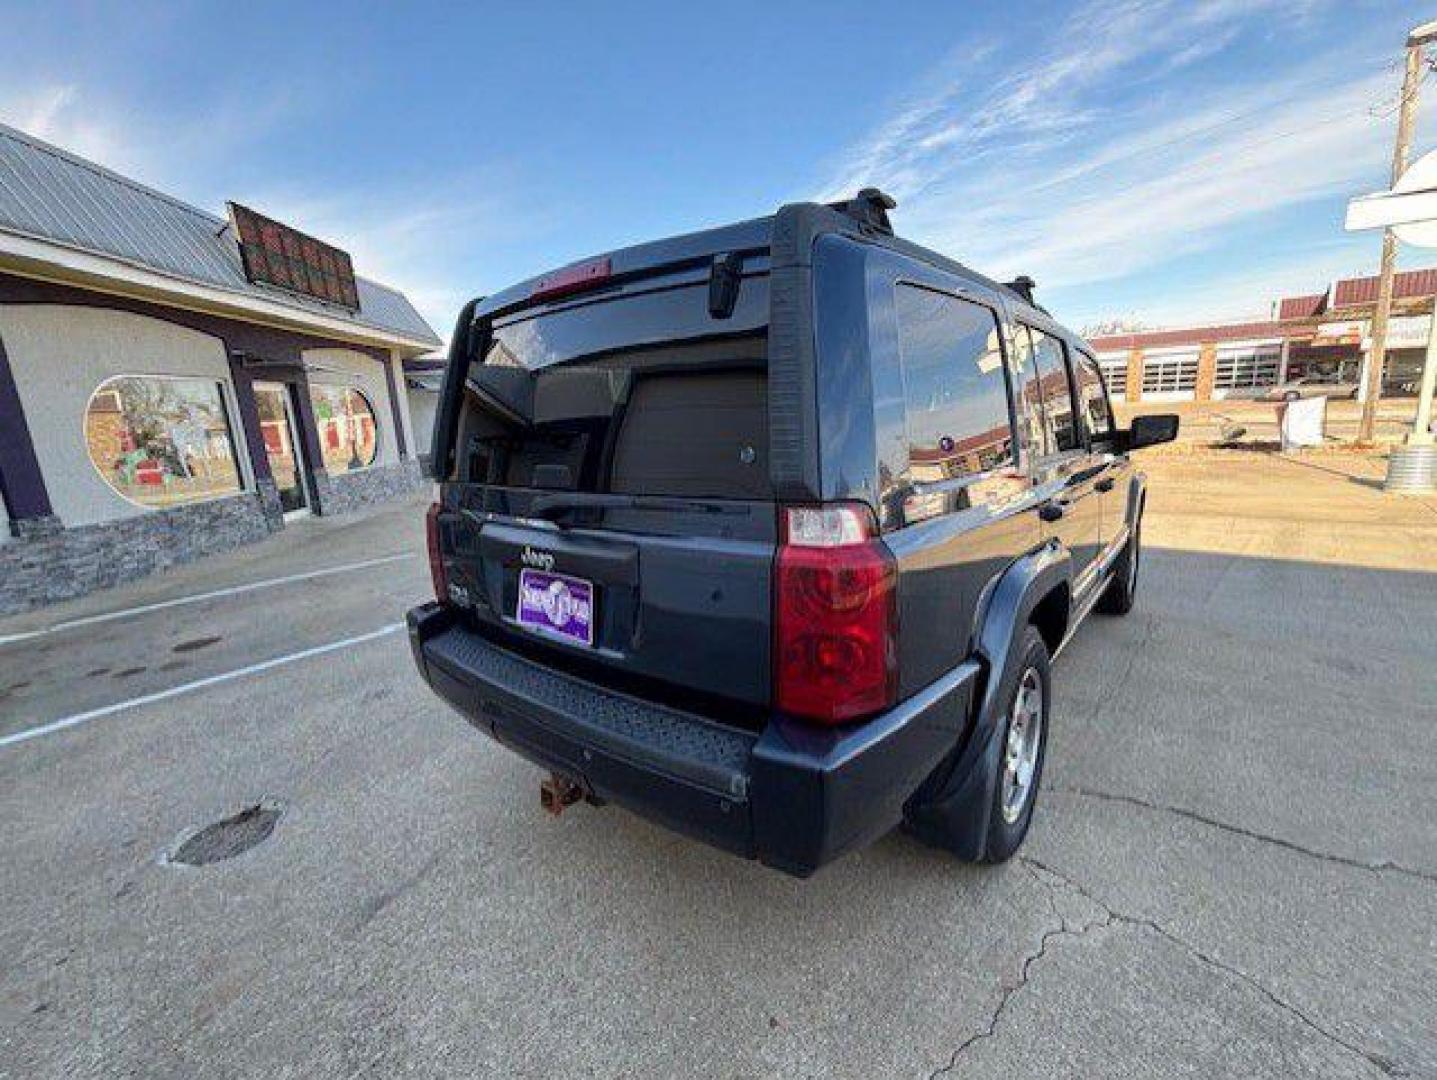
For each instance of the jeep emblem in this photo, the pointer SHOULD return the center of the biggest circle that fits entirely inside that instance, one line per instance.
(539, 560)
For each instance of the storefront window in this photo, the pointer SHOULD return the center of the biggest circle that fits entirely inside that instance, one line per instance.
(347, 431)
(160, 442)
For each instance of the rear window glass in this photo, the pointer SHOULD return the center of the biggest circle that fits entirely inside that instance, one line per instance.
(956, 394)
(687, 420)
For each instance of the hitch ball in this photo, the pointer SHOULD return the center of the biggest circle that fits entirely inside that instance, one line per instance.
(557, 792)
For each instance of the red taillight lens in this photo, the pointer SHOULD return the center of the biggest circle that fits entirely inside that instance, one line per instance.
(436, 562)
(835, 616)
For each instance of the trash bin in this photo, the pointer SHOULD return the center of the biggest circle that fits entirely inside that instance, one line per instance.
(1302, 422)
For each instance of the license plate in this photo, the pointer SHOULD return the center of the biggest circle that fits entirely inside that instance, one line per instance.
(557, 605)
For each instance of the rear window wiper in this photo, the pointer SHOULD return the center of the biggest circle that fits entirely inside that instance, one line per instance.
(560, 504)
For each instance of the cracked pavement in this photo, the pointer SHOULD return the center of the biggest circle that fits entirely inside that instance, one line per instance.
(1231, 870)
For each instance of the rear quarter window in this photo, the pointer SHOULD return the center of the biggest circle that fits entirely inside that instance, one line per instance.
(956, 397)
(1093, 398)
(1056, 389)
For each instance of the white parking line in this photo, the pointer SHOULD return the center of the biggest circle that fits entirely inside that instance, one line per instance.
(189, 687)
(195, 598)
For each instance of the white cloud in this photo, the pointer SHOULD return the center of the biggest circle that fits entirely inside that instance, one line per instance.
(409, 235)
(1036, 168)
(55, 113)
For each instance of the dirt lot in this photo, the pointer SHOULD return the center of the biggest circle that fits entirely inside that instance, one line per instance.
(1232, 870)
(1317, 506)
(1210, 422)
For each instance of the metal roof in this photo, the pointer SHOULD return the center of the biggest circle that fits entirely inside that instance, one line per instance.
(53, 195)
(1406, 285)
(1189, 335)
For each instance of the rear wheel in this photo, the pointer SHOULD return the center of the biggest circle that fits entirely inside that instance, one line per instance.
(1118, 597)
(1027, 686)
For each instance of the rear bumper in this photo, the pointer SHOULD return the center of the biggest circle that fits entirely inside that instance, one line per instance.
(794, 797)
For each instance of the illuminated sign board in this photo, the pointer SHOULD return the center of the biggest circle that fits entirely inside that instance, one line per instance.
(275, 254)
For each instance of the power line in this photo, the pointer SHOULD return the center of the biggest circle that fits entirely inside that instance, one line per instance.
(1218, 125)
(1389, 107)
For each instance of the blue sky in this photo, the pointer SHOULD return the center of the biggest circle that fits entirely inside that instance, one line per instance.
(1159, 161)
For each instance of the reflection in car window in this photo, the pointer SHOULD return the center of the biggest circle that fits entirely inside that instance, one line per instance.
(1031, 394)
(956, 395)
(1056, 392)
(1094, 402)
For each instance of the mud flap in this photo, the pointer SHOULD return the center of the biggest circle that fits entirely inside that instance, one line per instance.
(952, 810)
(955, 817)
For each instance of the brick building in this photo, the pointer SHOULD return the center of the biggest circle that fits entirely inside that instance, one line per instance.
(1325, 335)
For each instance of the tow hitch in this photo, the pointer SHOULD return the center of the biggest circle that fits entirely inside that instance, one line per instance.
(557, 792)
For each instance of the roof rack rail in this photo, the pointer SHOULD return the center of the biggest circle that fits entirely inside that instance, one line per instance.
(1023, 285)
(869, 207)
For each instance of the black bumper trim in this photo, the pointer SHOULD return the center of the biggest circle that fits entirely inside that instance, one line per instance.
(795, 797)
(685, 747)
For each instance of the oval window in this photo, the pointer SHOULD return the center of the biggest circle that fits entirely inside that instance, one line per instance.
(162, 441)
(348, 433)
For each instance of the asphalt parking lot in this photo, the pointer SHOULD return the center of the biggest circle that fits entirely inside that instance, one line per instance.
(1232, 870)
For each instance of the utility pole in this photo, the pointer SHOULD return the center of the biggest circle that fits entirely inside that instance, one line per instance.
(1377, 358)
(1407, 211)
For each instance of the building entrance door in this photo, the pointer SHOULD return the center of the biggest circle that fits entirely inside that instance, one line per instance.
(275, 402)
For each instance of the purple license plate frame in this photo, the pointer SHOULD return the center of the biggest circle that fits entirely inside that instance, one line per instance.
(556, 605)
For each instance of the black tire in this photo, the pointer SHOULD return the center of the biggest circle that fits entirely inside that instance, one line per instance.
(1118, 597)
(1006, 836)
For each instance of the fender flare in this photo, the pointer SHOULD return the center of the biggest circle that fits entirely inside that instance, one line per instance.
(952, 809)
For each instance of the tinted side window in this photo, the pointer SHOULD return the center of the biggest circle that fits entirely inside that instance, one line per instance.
(1057, 392)
(1092, 398)
(957, 398)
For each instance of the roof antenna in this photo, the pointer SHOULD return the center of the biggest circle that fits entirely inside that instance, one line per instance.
(869, 207)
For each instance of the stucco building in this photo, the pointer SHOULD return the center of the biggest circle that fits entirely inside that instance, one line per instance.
(423, 378)
(158, 399)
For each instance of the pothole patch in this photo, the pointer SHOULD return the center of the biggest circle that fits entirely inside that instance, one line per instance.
(229, 837)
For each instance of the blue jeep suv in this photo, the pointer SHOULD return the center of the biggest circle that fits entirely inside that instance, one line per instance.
(770, 532)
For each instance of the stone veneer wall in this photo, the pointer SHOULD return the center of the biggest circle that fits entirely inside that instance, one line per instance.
(46, 562)
(346, 492)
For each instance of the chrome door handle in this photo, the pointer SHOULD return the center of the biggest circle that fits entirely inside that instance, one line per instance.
(1052, 511)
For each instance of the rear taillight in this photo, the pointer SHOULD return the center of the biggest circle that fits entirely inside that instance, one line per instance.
(436, 560)
(835, 615)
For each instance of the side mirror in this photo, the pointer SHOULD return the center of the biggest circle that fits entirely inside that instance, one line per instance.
(1151, 430)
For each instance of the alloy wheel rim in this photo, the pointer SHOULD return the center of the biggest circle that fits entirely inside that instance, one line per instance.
(1020, 748)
